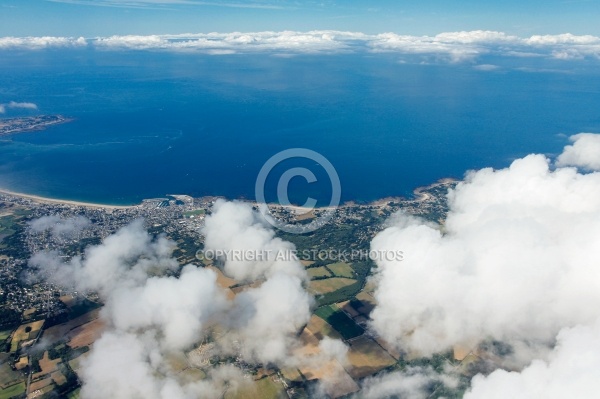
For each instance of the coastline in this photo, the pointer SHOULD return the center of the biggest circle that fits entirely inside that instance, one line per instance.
(37, 198)
(418, 196)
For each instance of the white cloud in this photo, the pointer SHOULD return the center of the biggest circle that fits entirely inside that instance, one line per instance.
(572, 371)
(152, 316)
(223, 43)
(59, 227)
(391, 42)
(16, 105)
(452, 46)
(412, 383)
(234, 226)
(38, 43)
(486, 67)
(584, 153)
(515, 261)
(266, 318)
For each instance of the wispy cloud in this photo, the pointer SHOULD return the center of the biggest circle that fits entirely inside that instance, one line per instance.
(13, 104)
(449, 46)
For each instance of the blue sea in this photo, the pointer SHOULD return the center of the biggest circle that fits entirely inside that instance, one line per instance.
(147, 124)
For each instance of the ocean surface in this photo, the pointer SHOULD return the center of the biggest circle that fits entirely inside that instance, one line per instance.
(149, 124)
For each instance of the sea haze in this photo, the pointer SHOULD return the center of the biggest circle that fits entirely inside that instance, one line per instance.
(150, 123)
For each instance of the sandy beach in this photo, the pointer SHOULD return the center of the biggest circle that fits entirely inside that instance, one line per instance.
(45, 200)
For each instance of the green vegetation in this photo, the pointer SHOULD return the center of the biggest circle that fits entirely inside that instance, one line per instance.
(263, 388)
(341, 269)
(8, 225)
(187, 246)
(340, 321)
(7, 375)
(362, 270)
(80, 246)
(66, 353)
(5, 334)
(328, 285)
(9, 318)
(316, 272)
(82, 307)
(74, 394)
(437, 362)
(196, 212)
(13, 391)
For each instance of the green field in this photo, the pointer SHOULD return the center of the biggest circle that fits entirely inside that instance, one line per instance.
(196, 212)
(264, 388)
(8, 376)
(5, 334)
(341, 269)
(318, 272)
(340, 321)
(7, 226)
(74, 394)
(330, 284)
(12, 391)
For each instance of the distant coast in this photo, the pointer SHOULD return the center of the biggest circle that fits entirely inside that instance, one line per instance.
(25, 124)
(419, 196)
(45, 200)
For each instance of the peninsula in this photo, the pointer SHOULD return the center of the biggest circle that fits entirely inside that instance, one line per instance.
(30, 123)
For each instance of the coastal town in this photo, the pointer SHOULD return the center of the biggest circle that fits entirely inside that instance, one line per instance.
(30, 123)
(30, 309)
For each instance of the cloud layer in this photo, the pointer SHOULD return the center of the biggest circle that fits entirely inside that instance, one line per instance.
(453, 46)
(515, 262)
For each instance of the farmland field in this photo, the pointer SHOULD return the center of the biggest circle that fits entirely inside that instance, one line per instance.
(8, 376)
(318, 272)
(86, 334)
(367, 357)
(339, 321)
(12, 391)
(265, 388)
(5, 334)
(25, 332)
(321, 329)
(330, 285)
(341, 269)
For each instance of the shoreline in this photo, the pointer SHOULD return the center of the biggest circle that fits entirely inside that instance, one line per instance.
(37, 198)
(418, 196)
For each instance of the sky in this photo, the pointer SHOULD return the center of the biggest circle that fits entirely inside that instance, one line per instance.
(90, 18)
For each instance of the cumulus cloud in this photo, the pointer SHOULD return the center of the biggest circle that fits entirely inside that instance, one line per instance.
(514, 262)
(150, 316)
(266, 318)
(572, 371)
(124, 258)
(453, 46)
(583, 153)
(124, 366)
(235, 227)
(155, 311)
(413, 383)
(13, 105)
(58, 226)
